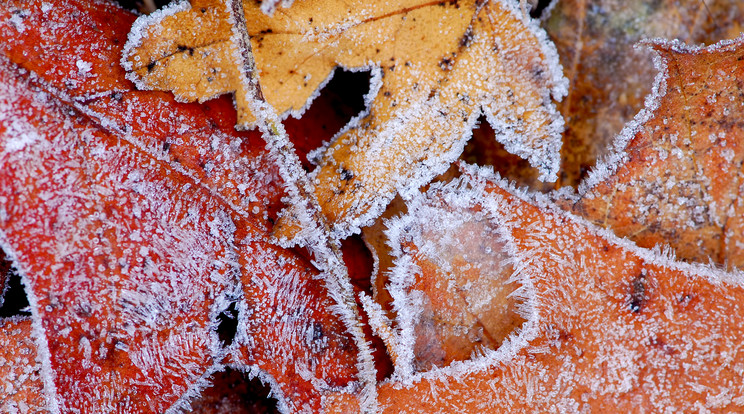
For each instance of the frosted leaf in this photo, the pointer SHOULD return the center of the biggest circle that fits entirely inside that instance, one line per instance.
(288, 330)
(200, 162)
(75, 199)
(196, 140)
(613, 326)
(610, 78)
(21, 386)
(453, 278)
(674, 174)
(424, 100)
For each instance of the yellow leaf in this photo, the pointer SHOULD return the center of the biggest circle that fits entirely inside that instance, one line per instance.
(437, 66)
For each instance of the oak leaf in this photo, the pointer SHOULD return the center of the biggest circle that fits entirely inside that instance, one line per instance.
(132, 233)
(675, 175)
(610, 77)
(437, 66)
(609, 325)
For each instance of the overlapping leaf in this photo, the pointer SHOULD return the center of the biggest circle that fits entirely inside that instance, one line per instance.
(610, 326)
(609, 77)
(133, 220)
(676, 176)
(428, 90)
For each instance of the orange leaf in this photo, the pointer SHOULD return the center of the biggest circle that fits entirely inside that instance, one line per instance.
(676, 176)
(133, 220)
(610, 326)
(608, 76)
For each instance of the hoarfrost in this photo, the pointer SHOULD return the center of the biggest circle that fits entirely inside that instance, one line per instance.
(610, 324)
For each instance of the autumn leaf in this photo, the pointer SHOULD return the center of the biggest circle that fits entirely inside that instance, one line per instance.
(20, 373)
(451, 266)
(427, 90)
(675, 176)
(610, 326)
(610, 77)
(132, 234)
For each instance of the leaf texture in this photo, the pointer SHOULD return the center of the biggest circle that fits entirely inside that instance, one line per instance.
(427, 95)
(610, 77)
(675, 177)
(610, 326)
(131, 245)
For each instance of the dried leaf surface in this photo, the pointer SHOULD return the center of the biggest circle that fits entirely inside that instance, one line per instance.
(450, 266)
(609, 77)
(610, 326)
(20, 370)
(676, 176)
(427, 93)
(131, 244)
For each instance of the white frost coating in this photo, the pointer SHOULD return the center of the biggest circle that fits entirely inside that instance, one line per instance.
(83, 66)
(459, 199)
(269, 6)
(22, 137)
(608, 165)
(138, 32)
(622, 371)
(177, 273)
(660, 256)
(42, 346)
(326, 252)
(559, 82)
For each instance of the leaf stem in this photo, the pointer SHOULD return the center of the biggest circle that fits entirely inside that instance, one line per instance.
(325, 248)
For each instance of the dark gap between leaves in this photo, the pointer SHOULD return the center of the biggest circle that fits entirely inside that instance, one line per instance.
(228, 325)
(232, 392)
(13, 301)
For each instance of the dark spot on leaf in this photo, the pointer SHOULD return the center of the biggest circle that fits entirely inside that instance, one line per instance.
(150, 66)
(446, 63)
(346, 175)
(166, 146)
(467, 39)
(637, 293)
(182, 48)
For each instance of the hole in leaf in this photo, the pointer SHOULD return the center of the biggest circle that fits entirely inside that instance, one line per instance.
(458, 281)
(232, 392)
(13, 300)
(538, 7)
(228, 324)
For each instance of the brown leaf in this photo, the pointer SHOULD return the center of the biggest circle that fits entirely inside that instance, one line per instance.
(676, 176)
(610, 327)
(451, 267)
(609, 77)
(429, 94)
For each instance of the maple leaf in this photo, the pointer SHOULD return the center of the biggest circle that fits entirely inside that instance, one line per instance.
(609, 325)
(131, 243)
(610, 77)
(427, 95)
